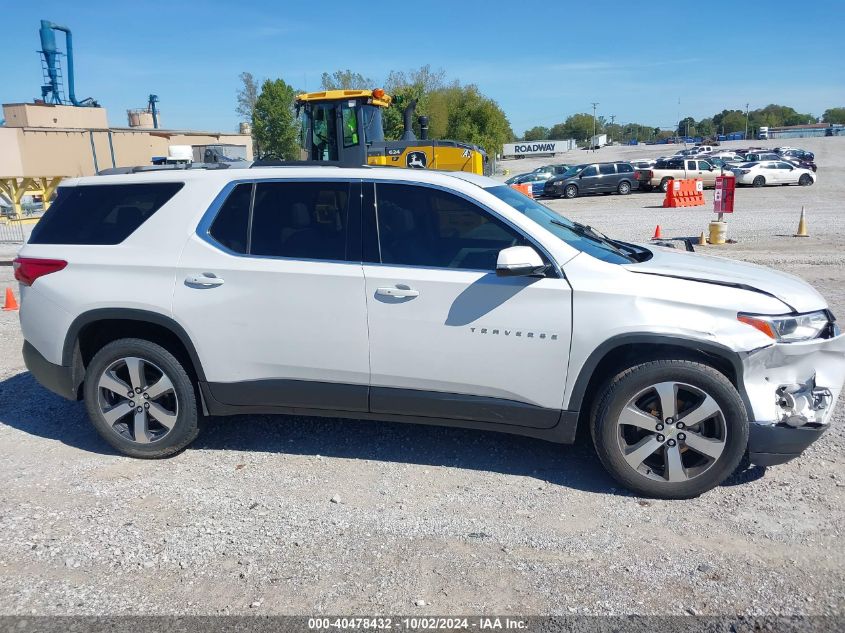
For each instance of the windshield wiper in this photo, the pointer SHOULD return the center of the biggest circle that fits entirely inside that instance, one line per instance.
(590, 233)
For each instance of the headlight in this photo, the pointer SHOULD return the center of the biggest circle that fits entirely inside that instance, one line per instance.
(788, 328)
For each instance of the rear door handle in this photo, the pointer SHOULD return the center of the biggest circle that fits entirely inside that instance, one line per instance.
(204, 280)
(398, 292)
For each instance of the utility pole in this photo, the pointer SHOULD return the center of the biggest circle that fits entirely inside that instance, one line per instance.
(746, 121)
(595, 103)
(612, 119)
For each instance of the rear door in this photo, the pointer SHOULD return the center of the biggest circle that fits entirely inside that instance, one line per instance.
(449, 338)
(271, 290)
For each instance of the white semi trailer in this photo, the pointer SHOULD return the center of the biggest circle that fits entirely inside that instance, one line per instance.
(522, 149)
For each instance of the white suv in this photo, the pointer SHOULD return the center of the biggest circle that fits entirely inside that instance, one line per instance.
(422, 297)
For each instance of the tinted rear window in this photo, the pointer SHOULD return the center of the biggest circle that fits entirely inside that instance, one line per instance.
(101, 214)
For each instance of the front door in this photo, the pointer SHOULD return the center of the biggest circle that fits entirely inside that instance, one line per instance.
(448, 338)
(588, 179)
(271, 290)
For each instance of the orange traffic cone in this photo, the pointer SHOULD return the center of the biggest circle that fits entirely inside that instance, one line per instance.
(657, 234)
(11, 302)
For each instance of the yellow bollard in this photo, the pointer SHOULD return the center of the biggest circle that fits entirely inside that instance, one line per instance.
(718, 232)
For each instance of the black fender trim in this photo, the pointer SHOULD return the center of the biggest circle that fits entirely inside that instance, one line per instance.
(576, 398)
(69, 351)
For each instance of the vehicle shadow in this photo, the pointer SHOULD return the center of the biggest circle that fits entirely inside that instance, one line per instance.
(28, 407)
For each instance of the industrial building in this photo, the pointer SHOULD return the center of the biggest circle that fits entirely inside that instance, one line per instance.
(61, 136)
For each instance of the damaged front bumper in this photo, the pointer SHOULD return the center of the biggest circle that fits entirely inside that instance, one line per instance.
(791, 391)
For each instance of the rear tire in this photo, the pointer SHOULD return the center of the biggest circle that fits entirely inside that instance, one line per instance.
(759, 181)
(571, 191)
(805, 180)
(660, 455)
(624, 188)
(140, 399)
(664, 185)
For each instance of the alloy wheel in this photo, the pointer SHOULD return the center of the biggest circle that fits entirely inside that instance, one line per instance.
(671, 432)
(137, 400)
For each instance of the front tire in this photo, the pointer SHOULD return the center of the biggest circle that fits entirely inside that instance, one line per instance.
(759, 181)
(805, 180)
(671, 429)
(571, 191)
(140, 399)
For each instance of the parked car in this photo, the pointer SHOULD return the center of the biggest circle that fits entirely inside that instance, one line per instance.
(770, 172)
(795, 153)
(664, 171)
(554, 170)
(645, 163)
(592, 178)
(769, 156)
(535, 179)
(418, 296)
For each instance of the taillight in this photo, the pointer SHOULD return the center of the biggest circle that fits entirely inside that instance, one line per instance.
(28, 269)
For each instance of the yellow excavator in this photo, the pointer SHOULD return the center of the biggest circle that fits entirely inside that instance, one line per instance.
(345, 127)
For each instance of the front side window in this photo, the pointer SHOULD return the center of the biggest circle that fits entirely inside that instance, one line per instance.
(559, 226)
(421, 226)
(592, 170)
(302, 220)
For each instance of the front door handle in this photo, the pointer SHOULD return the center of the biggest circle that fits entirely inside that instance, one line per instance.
(204, 280)
(399, 291)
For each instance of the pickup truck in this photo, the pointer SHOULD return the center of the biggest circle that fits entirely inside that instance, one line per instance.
(658, 177)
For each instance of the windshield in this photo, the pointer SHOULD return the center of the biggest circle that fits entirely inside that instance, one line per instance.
(572, 171)
(561, 227)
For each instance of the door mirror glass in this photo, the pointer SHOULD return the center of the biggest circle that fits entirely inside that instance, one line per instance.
(519, 261)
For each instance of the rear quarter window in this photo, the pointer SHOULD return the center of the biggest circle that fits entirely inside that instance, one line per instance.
(101, 214)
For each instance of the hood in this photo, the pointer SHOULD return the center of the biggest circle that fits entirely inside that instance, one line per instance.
(795, 293)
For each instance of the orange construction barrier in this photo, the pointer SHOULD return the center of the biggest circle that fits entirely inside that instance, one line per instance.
(525, 188)
(686, 192)
(11, 302)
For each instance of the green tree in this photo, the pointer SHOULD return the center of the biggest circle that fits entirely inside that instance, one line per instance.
(536, 133)
(705, 127)
(686, 126)
(247, 96)
(559, 132)
(346, 80)
(834, 115)
(580, 127)
(474, 118)
(274, 124)
(728, 121)
(416, 84)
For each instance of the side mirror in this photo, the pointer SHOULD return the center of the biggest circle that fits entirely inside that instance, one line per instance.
(519, 261)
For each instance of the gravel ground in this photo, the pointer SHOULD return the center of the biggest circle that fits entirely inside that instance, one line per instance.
(298, 516)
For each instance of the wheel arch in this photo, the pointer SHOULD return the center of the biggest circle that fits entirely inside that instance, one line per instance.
(625, 350)
(91, 330)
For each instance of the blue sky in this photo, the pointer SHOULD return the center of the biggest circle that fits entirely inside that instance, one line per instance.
(540, 61)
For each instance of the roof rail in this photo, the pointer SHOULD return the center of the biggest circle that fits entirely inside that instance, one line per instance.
(278, 162)
(112, 171)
